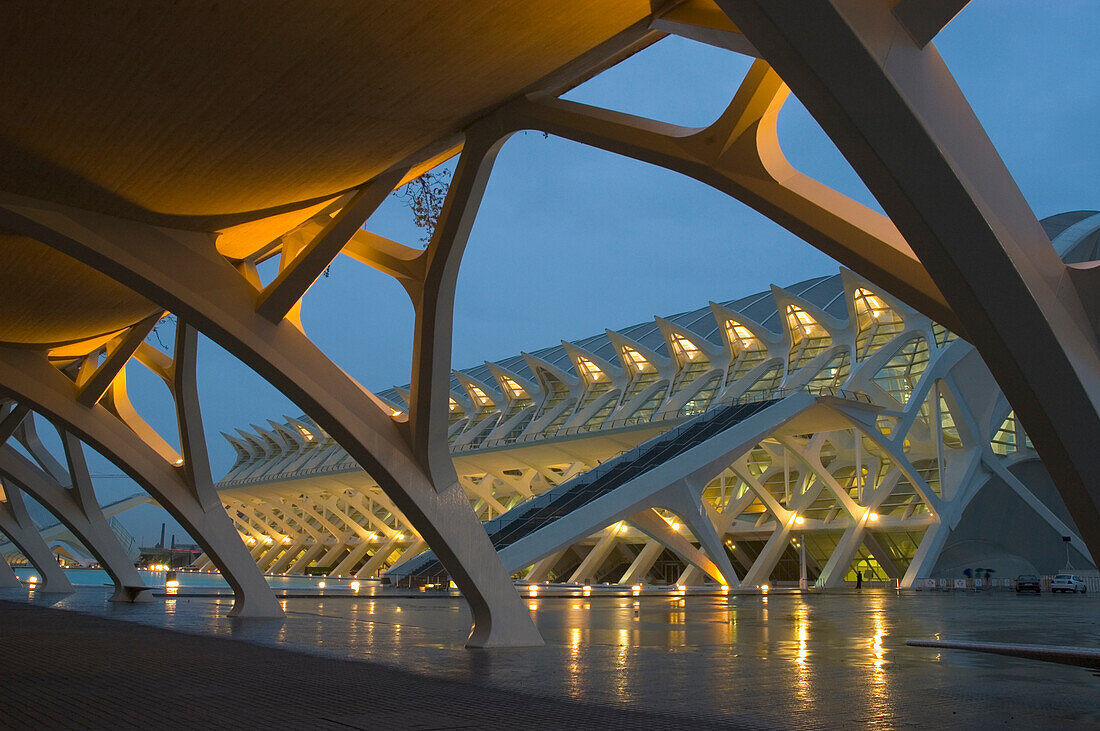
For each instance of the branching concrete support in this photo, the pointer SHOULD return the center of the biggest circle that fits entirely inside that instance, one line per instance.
(336, 549)
(411, 552)
(885, 560)
(648, 556)
(739, 154)
(269, 556)
(16, 524)
(299, 566)
(836, 568)
(653, 525)
(376, 560)
(290, 554)
(28, 377)
(541, 569)
(931, 545)
(8, 579)
(591, 564)
(183, 272)
(81, 515)
(895, 112)
(345, 567)
(684, 498)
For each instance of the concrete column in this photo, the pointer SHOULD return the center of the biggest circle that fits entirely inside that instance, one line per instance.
(540, 570)
(349, 562)
(299, 565)
(648, 556)
(17, 525)
(291, 554)
(8, 579)
(595, 558)
(81, 515)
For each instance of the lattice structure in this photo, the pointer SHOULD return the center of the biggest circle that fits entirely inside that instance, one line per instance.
(150, 162)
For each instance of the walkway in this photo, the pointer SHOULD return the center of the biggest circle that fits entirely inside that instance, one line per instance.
(62, 669)
(815, 661)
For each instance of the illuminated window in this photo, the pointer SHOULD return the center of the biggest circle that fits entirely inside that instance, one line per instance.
(597, 419)
(513, 389)
(832, 375)
(808, 337)
(642, 373)
(306, 433)
(901, 373)
(636, 360)
(1004, 442)
(877, 323)
(943, 335)
(590, 370)
(685, 349)
(747, 351)
(692, 362)
(698, 403)
(480, 397)
(950, 432)
(767, 382)
(556, 390)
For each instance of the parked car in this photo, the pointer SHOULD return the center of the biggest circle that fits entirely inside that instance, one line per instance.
(1028, 582)
(1068, 582)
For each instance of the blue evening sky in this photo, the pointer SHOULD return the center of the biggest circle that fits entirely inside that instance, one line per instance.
(572, 240)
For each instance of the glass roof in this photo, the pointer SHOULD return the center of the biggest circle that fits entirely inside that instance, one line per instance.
(823, 292)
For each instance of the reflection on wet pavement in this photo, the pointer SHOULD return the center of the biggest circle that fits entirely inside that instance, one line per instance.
(788, 660)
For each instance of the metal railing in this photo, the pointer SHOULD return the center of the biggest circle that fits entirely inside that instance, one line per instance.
(628, 421)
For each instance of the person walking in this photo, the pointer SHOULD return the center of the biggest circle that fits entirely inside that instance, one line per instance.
(859, 579)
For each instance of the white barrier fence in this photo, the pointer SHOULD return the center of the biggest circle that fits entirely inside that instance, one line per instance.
(1092, 581)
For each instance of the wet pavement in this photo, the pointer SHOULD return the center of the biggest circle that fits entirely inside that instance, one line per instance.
(783, 661)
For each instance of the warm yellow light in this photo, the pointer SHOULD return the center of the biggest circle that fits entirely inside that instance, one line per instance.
(533, 590)
(636, 359)
(799, 520)
(675, 525)
(685, 348)
(622, 527)
(590, 369)
(286, 540)
(306, 433)
(453, 405)
(372, 536)
(32, 579)
(533, 606)
(873, 516)
(396, 412)
(587, 590)
(515, 390)
(321, 584)
(171, 584)
(179, 461)
(480, 396)
(764, 588)
(636, 589)
(268, 540)
(725, 588)
(399, 537)
(739, 335)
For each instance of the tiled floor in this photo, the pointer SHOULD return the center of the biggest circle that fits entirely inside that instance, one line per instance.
(784, 661)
